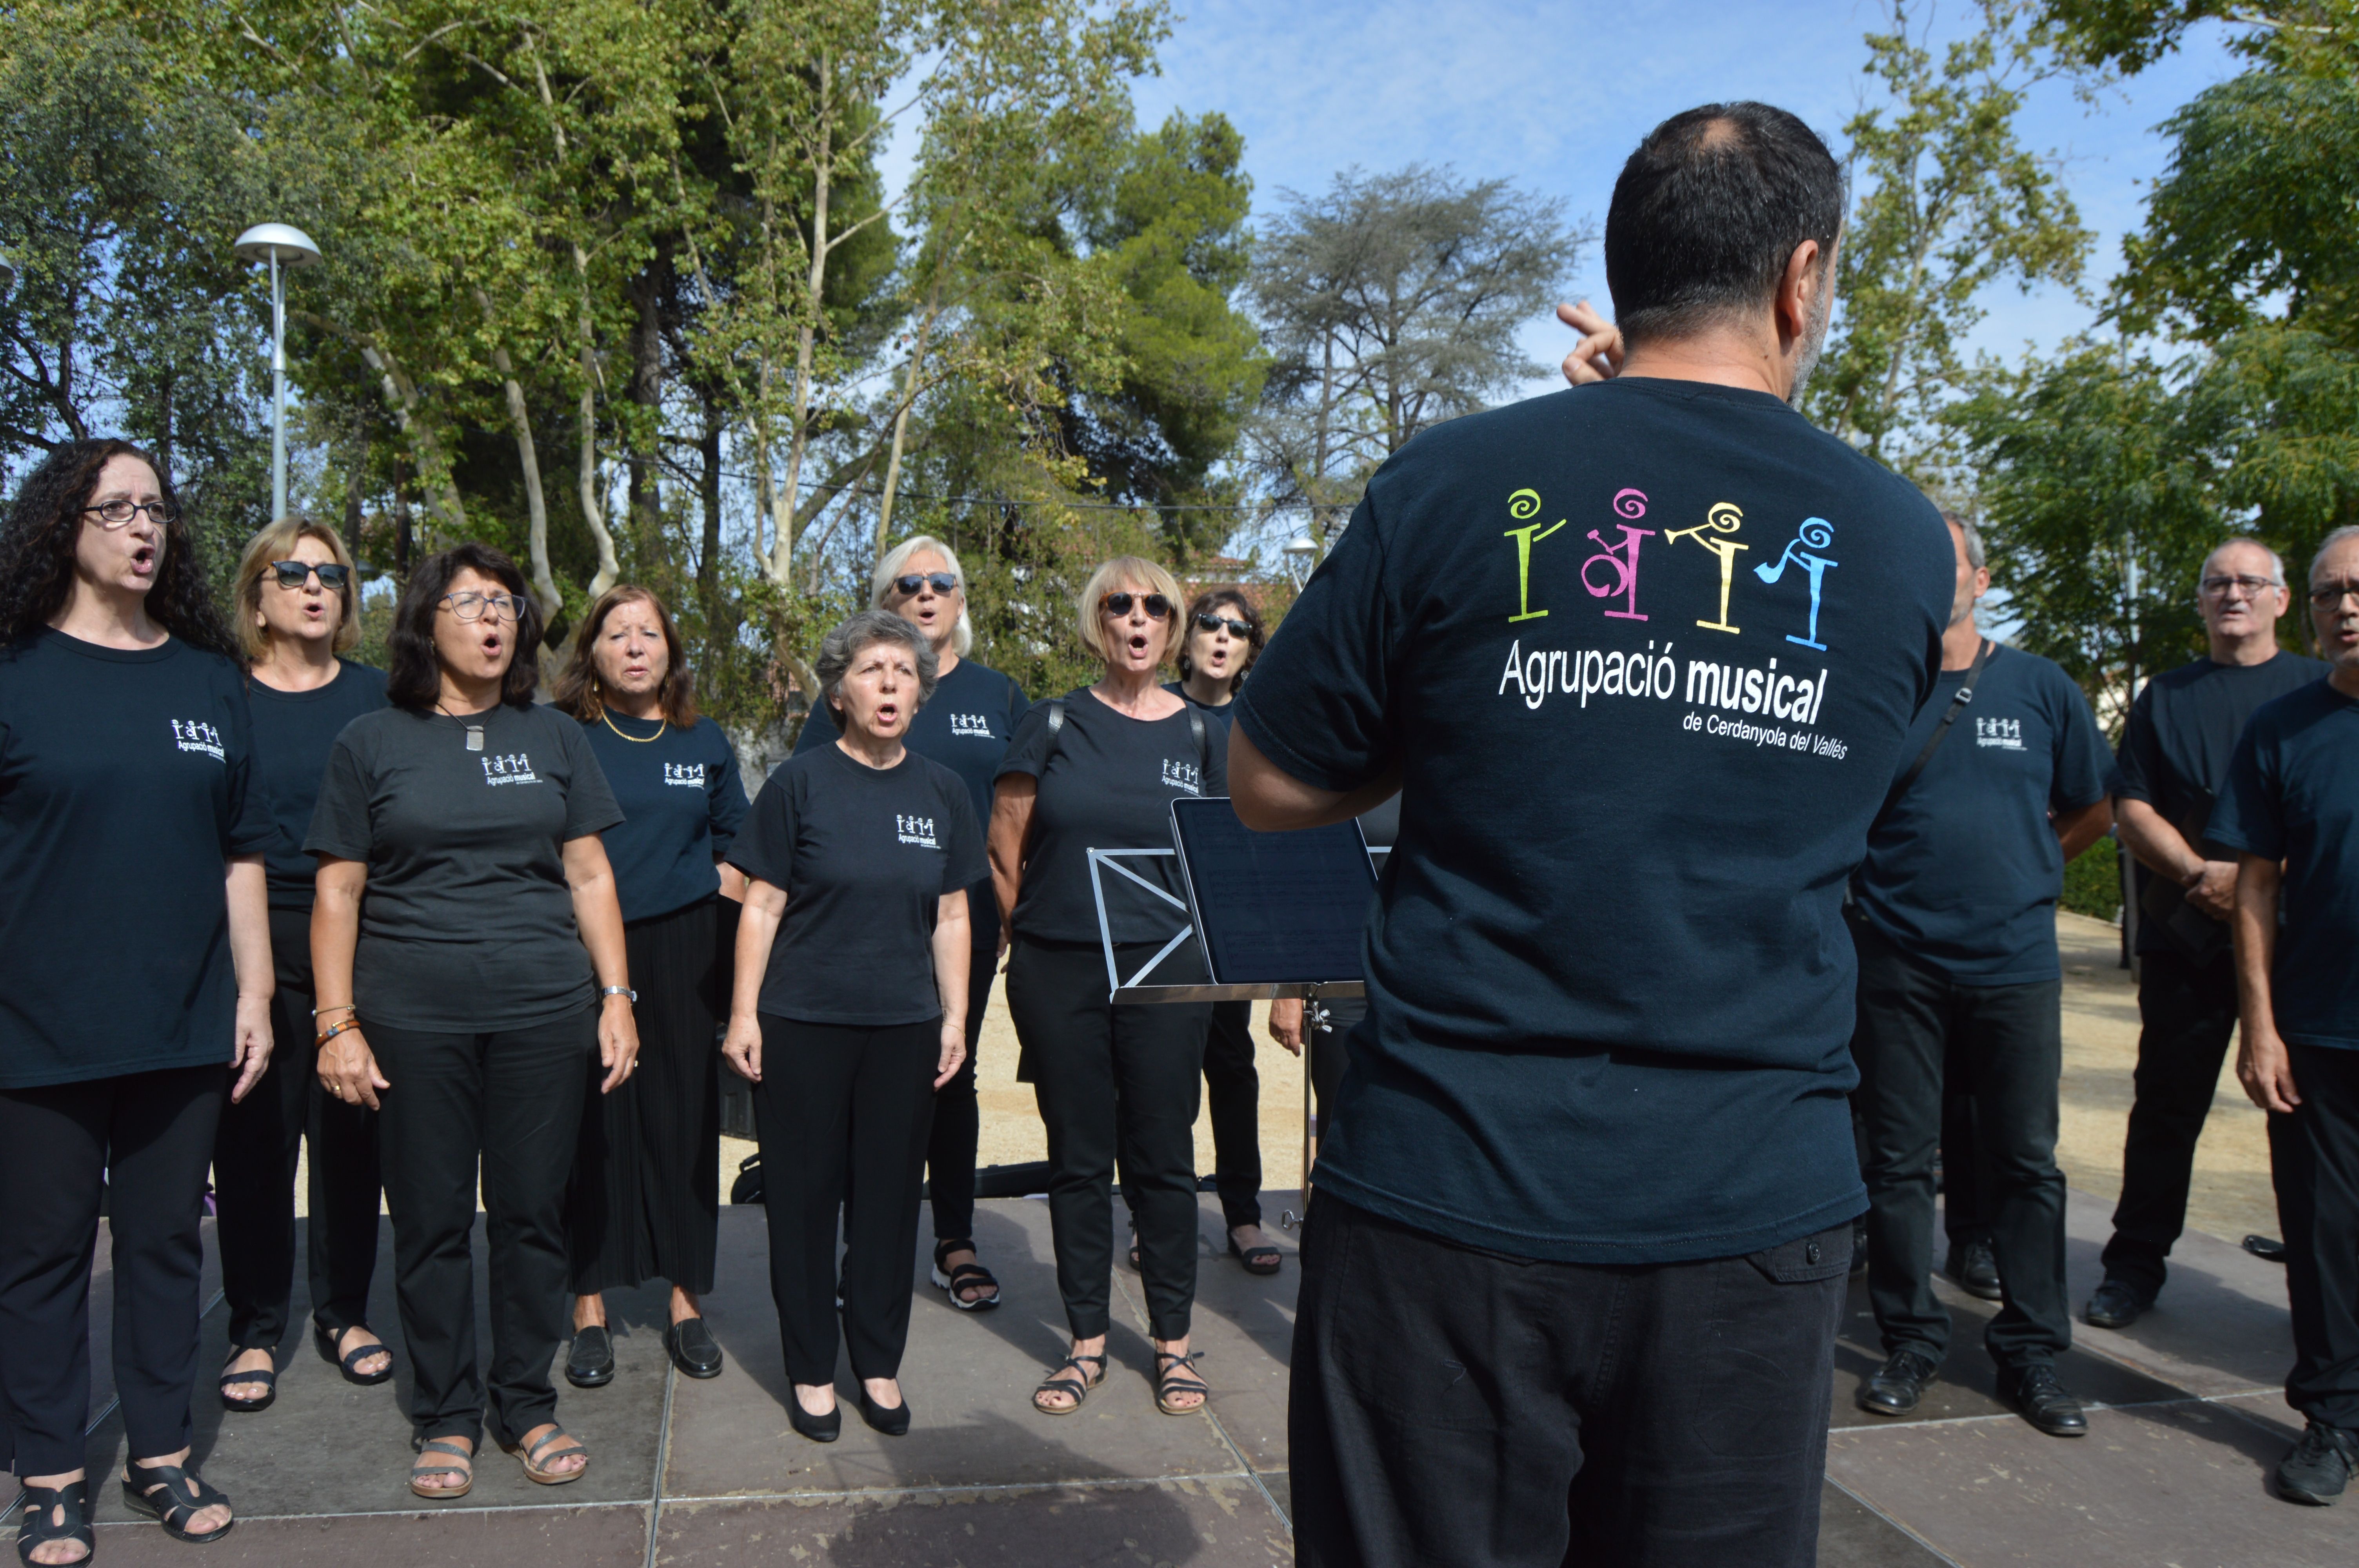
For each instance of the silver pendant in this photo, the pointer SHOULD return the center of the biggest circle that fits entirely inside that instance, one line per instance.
(475, 737)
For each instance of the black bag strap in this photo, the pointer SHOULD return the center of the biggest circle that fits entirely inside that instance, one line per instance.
(1941, 730)
(1203, 745)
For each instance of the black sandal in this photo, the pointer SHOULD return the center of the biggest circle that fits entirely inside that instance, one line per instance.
(183, 1496)
(965, 1277)
(1078, 1386)
(425, 1467)
(73, 1502)
(327, 1340)
(1171, 1381)
(268, 1378)
(1262, 1259)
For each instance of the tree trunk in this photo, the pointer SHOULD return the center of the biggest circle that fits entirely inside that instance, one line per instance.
(708, 490)
(901, 425)
(544, 581)
(646, 392)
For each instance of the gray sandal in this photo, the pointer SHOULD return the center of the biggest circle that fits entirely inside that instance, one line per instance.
(442, 1494)
(530, 1457)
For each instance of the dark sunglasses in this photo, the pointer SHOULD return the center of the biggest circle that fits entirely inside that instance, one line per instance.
(1118, 605)
(295, 574)
(942, 582)
(1212, 622)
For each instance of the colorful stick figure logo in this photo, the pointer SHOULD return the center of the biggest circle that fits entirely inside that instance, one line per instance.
(1725, 517)
(1620, 558)
(1817, 534)
(1521, 504)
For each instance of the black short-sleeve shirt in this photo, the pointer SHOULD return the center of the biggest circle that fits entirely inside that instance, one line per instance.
(865, 856)
(126, 785)
(965, 726)
(467, 922)
(2293, 795)
(2182, 730)
(682, 804)
(1645, 654)
(1107, 783)
(292, 733)
(1963, 870)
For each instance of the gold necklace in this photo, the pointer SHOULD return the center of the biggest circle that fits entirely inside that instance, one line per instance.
(635, 740)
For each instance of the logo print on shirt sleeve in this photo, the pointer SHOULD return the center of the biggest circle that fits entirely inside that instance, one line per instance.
(196, 735)
(1725, 517)
(1817, 533)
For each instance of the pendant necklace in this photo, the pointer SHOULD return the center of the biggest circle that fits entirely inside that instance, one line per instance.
(475, 731)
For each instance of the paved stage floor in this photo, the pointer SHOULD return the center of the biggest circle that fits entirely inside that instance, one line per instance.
(2175, 1470)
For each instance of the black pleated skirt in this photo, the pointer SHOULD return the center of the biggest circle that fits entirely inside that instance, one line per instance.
(645, 1199)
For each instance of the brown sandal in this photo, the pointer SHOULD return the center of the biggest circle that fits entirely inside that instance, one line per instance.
(1171, 1380)
(530, 1458)
(442, 1494)
(1078, 1386)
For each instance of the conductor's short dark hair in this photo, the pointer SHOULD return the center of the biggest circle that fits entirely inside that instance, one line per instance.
(1708, 211)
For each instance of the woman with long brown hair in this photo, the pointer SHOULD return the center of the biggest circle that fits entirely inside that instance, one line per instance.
(645, 1201)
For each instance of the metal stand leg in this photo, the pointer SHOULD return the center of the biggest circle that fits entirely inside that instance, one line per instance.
(1311, 1023)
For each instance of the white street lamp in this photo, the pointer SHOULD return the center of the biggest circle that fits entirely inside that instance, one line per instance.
(1302, 554)
(277, 243)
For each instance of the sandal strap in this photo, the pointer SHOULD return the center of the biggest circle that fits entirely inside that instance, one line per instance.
(557, 1434)
(267, 1377)
(1078, 1386)
(33, 1528)
(971, 1274)
(439, 1445)
(1171, 1380)
(362, 1353)
(149, 1479)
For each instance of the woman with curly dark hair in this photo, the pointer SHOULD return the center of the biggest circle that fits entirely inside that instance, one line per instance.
(488, 969)
(131, 870)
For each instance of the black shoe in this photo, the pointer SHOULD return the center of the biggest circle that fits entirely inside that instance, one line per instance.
(2320, 1466)
(894, 1423)
(2117, 1304)
(2033, 1394)
(2266, 1248)
(1896, 1389)
(591, 1363)
(692, 1348)
(1974, 1269)
(818, 1428)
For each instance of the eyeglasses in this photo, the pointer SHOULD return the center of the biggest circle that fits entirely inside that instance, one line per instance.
(476, 606)
(1212, 622)
(1118, 605)
(942, 582)
(2330, 595)
(114, 514)
(333, 575)
(2218, 587)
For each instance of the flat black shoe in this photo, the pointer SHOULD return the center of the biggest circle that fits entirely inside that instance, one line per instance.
(893, 1422)
(2267, 1249)
(327, 1342)
(2033, 1393)
(1973, 1270)
(70, 1502)
(171, 1496)
(818, 1428)
(591, 1363)
(693, 1350)
(2320, 1466)
(2117, 1304)
(1896, 1389)
(1262, 1259)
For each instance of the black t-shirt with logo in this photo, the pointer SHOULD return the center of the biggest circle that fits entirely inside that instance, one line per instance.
(127, 784)
(292, 733)
(1963, 870)
(965, 726)
(865, 856)
(2181, 732)
(1107, 783)
(1645, 654)
(682, 804)
(467, 923)
(2293, 795)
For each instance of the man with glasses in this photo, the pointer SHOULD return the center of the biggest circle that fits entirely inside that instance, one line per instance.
(2174, 761)
(2290, 813)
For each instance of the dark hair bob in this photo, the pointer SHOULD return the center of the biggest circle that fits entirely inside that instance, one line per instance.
(1254, 641)
(37, 552)
(413, 678)
(576, 690)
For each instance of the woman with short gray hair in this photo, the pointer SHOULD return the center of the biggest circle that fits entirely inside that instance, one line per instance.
(849, 1009)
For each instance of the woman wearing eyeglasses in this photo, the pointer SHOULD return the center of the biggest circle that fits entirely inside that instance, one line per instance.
(1097, 769)
(965, 726)
(135, 972)
(296, 611)
(462, 1001)
(645, 1198)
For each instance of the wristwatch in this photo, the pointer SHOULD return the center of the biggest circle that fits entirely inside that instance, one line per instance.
(618, 991)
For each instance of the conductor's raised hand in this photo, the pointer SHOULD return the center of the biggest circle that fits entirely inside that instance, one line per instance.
(1598, 356)
(618, 1041)
(348, 1070)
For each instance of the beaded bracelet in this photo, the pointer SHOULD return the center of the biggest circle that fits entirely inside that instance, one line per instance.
(333, 1030)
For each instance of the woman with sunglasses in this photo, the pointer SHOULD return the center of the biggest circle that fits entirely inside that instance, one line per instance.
(297, 610)
(135, 972)
(646, 1200)
(965, 726)
(1097, 769)
(464, 1000)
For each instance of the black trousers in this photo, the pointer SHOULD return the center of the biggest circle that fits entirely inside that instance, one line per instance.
(2189, 1014)
(843, 1114)
(1232, 1093)
(1456, 1406)
(1962, 1213)
(645, 1200)
(2314, 1162)
(957, 1118)
(255, 1157)
(1114, 1082)
(2012, 1049)
(143, 1141)
(509, 1100)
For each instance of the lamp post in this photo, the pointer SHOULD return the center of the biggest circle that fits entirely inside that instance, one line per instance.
(280, 245)
(1302, 554)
